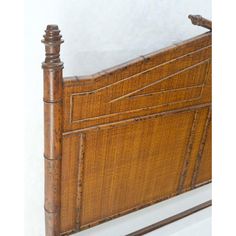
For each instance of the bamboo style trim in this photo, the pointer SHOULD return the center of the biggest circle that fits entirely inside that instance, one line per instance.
(88, 226)
(136, 119)
(188, 152)
(52, 68)
(128, 211)
(80, 179)
(201, 148)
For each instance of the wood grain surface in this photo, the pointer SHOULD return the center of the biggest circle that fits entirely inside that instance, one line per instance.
(136, 134)
(53, 95)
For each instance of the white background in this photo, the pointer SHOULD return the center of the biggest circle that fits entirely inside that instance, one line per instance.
(102, 33)
(98, 34)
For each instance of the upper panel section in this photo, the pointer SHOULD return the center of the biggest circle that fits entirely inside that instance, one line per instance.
(172, 78)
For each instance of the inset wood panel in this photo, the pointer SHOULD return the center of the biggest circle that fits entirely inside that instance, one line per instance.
(127, 167)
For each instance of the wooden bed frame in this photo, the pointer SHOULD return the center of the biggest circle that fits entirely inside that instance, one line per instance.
(126, 137)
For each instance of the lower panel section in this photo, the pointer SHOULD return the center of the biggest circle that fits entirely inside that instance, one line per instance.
(115, 169)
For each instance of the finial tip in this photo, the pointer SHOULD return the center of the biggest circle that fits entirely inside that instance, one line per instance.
(52, 27)
(200, 21)
(52, 35)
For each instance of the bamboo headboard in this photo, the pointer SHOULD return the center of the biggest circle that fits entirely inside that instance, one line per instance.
(126, 137)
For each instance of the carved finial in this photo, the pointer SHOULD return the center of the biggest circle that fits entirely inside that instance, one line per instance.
(200, 21)
(52, 40)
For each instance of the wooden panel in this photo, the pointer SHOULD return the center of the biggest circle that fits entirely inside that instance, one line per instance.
(129, 166)
(136, 134)
(165, 80)
(115, 169)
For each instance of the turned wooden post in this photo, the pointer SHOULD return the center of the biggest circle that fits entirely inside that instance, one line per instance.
(52, 68)
(200, 21)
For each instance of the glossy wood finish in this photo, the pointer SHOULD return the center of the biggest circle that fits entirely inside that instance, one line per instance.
(53, 95)
(126, 137)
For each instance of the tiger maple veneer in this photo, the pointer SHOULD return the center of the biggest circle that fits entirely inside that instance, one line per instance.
(126, 137)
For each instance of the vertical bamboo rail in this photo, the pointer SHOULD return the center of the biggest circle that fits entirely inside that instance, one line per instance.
(52, 67)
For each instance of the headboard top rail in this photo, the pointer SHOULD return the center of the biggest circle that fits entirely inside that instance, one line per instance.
(96, 77)
(86, 79)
